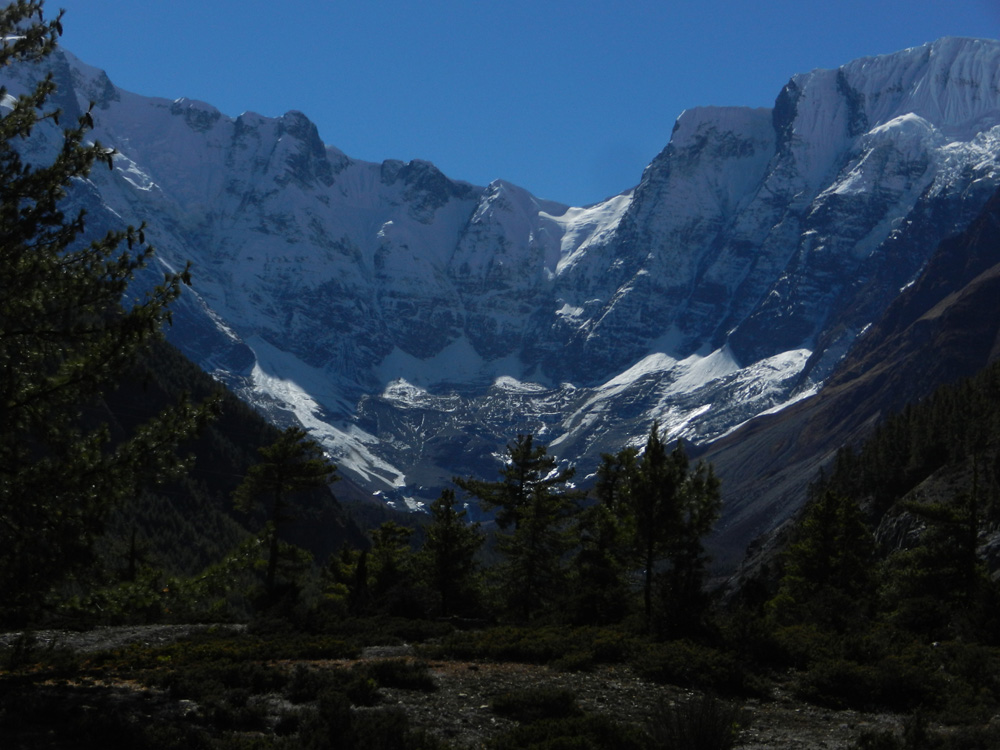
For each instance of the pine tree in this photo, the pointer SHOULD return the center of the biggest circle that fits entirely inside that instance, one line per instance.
(827, 578)
(653, 496)
(700, 502)
(664, 510)
(601, 586)
(291, 465)
(390, 561)
(449, 551)
(534, 504)
(66, 338)
(941, 586)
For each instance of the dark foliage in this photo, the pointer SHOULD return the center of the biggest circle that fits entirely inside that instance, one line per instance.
(704, 723)
(67, 338)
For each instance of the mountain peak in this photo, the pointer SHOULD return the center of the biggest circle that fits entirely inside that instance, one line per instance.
(757, 246)
(953, 82)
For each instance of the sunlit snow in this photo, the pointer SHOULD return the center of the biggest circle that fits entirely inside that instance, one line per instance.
(384, 303)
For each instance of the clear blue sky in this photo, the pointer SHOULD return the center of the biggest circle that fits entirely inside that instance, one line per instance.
(568, 99)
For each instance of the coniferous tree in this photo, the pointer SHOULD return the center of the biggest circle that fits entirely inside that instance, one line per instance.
(664, 510)
(653, 495)
(699, 504)
(390, 561)
(534, 504)
(828, 578)
(941, 587)
(66, 337)
(604, 533)
(344, 582)
(291, 465)
(601, 585)
(449, 551)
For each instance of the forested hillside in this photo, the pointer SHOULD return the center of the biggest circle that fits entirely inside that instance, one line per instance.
(190, 523)
(935, 450)
(884, 589)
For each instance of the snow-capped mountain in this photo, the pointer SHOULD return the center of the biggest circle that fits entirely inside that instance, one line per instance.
(415, 324)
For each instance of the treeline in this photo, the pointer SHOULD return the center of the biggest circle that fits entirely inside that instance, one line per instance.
(196, 505)
(633, 550)
(627, 554)
(957, 427)
(184, 547)
(886, 593)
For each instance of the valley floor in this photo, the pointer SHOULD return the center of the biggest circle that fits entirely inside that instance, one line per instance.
(459, 711)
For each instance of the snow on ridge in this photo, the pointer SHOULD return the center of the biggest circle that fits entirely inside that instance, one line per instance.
(306, 391)
(292, 385)
(513, 385)
(582, 227)
(688, 374)
(954, 82)
(696, 398)
(351, 450)
(696, 370)
(691, 122)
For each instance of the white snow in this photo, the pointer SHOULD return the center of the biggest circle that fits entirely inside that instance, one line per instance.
(582, 227)
(278, 252)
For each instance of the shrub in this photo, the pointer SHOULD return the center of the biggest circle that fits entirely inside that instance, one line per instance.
(564, 647)
(211, 680)
(333, 726)
(917, 736)
(705, 723)
(800, 645)
(306, 685)
(893, 683)
(690, 664)
(213, 648)
(387, 631)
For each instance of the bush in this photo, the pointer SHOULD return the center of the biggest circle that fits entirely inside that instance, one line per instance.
(892, 683)
(215, 648)
(306, 685)
(333, 726)
(564, 647)
(800, 645)
(200, 682)
(917, 736)
(386, 631)
(704, 723)
(688, 664)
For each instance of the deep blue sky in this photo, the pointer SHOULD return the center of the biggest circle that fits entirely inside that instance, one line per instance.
(567, 99)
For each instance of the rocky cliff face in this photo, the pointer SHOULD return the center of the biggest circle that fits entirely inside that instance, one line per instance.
(415, 323)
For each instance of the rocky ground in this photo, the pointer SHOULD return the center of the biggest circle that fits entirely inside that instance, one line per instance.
(459, 710)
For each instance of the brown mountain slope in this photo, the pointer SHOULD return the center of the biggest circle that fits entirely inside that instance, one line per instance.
(943, 327)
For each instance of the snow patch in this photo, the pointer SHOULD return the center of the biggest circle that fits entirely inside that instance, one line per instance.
(583, 227)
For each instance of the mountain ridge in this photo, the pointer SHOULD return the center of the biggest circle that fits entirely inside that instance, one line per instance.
(415, 323)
